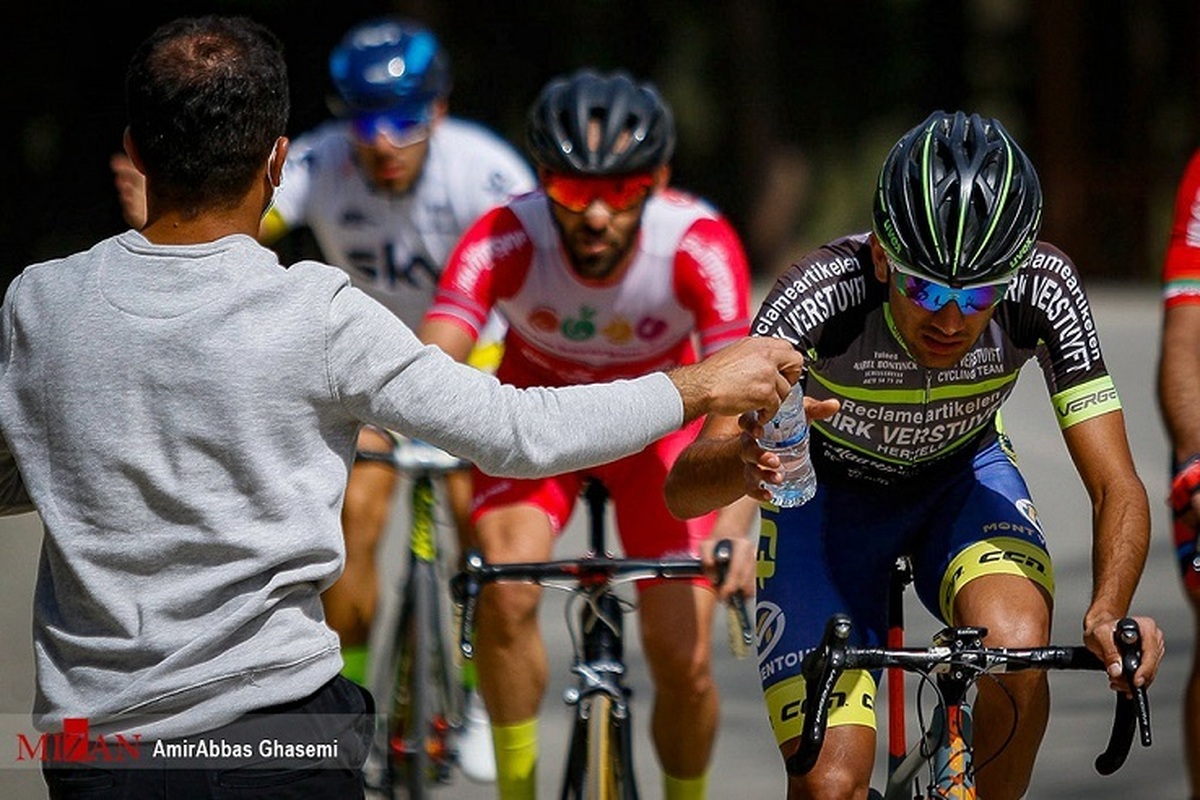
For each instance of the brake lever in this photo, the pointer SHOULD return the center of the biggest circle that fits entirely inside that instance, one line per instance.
(820, 668)
(1133, 710)
(740, 617)
(1129, 641)
(465, 588)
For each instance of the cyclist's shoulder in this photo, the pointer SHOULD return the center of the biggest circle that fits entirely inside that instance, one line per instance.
(673, 218)
(499, 236)
(835, 281)
(1047, 267)
(845, 258)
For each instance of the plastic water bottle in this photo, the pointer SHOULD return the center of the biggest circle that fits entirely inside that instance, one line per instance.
(786, 435)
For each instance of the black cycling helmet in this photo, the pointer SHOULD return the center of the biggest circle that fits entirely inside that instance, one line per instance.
(389, 63)
(958, 200)
(631, 127)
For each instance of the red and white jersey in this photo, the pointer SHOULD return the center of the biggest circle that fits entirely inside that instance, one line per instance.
(1181, 268)
(686, 285)
(394, 246)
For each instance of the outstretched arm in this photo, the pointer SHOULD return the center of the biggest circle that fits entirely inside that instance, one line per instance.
(1120, 537)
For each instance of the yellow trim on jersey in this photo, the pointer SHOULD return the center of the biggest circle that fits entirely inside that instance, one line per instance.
(1085, 401)
(768, 537)
(1001, 555)
(486, 356)
(853, 703)
(272, 228)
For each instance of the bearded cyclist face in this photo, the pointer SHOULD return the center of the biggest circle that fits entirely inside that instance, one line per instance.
(936, 339)
(598, 219)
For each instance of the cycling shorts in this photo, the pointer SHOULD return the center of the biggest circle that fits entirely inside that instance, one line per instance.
(1185, 552)
(635, 484)
(835, 555)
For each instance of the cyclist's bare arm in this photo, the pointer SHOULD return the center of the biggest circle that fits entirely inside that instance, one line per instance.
(1179, 383)
(733, 525)
(1121, 537)
(1179, 378)
(708, 473)
(456, 340)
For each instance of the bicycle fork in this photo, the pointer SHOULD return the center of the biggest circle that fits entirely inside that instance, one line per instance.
(601, 690)
(952, 774)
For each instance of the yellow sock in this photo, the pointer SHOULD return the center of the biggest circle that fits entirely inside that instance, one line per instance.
(685, 788)
(516, 749)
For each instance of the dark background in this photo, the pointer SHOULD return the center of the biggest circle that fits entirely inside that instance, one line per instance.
(785, 110)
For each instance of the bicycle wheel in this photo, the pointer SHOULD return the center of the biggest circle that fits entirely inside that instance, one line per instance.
(417, 730)
(603, 770)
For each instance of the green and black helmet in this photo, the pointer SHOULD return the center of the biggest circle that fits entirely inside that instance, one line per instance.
(958, 201)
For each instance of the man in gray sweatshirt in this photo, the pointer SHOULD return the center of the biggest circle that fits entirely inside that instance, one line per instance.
(182, 412)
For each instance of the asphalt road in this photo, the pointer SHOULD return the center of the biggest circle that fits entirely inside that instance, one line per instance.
(746, 764)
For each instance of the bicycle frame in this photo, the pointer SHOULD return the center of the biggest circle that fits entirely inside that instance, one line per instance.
(422, 706)
(600, 696)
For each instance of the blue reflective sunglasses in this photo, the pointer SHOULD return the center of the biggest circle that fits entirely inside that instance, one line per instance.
(399, 128)
(933, 296)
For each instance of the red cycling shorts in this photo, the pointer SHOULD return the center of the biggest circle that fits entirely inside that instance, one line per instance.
(635, 484)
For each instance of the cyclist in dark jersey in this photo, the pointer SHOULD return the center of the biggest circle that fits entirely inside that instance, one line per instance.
(914, 335)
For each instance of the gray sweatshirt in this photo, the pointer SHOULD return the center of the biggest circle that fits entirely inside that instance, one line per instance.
(184, 420)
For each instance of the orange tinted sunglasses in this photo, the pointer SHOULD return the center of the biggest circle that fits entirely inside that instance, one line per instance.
(620, 193)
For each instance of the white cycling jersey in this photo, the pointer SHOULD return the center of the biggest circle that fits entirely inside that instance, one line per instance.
(394, 246)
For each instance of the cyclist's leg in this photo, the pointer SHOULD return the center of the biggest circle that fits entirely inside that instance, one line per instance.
(515, 521)
(831, 555)
(1185, 551)
(350, 602)
(676, 616)
(994, 571)
(1191, 710)
(458, 493)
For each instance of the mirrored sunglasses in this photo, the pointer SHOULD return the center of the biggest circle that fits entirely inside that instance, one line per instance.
(619, 193)
(399, 129)
(933, 296)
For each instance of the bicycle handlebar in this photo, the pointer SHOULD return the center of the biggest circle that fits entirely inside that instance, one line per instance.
(579, 573)
(824, 665)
